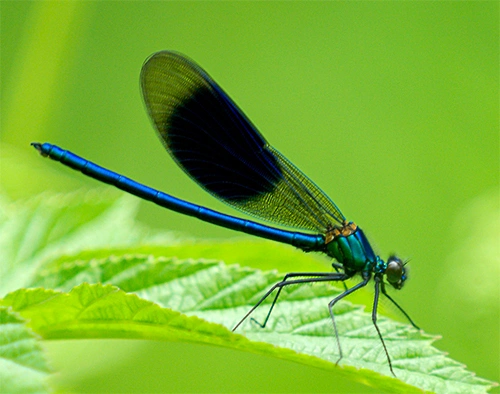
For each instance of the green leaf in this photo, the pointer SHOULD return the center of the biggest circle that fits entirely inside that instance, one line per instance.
(103, 311)
(49, 225)
(300, 326)
(58, 244)
(23, 368)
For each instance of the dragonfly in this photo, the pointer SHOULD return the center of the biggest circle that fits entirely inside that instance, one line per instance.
(215, 143)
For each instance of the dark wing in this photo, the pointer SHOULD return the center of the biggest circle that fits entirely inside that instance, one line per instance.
(216, 144)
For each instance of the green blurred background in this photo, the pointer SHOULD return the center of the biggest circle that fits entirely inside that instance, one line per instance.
(391, 107)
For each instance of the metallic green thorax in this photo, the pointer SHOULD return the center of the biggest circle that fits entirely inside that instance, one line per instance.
(349, 246)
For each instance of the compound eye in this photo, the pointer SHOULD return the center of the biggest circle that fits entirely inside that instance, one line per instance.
(395, 272)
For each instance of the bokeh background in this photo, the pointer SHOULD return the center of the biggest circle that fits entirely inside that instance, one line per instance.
(391, 107)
